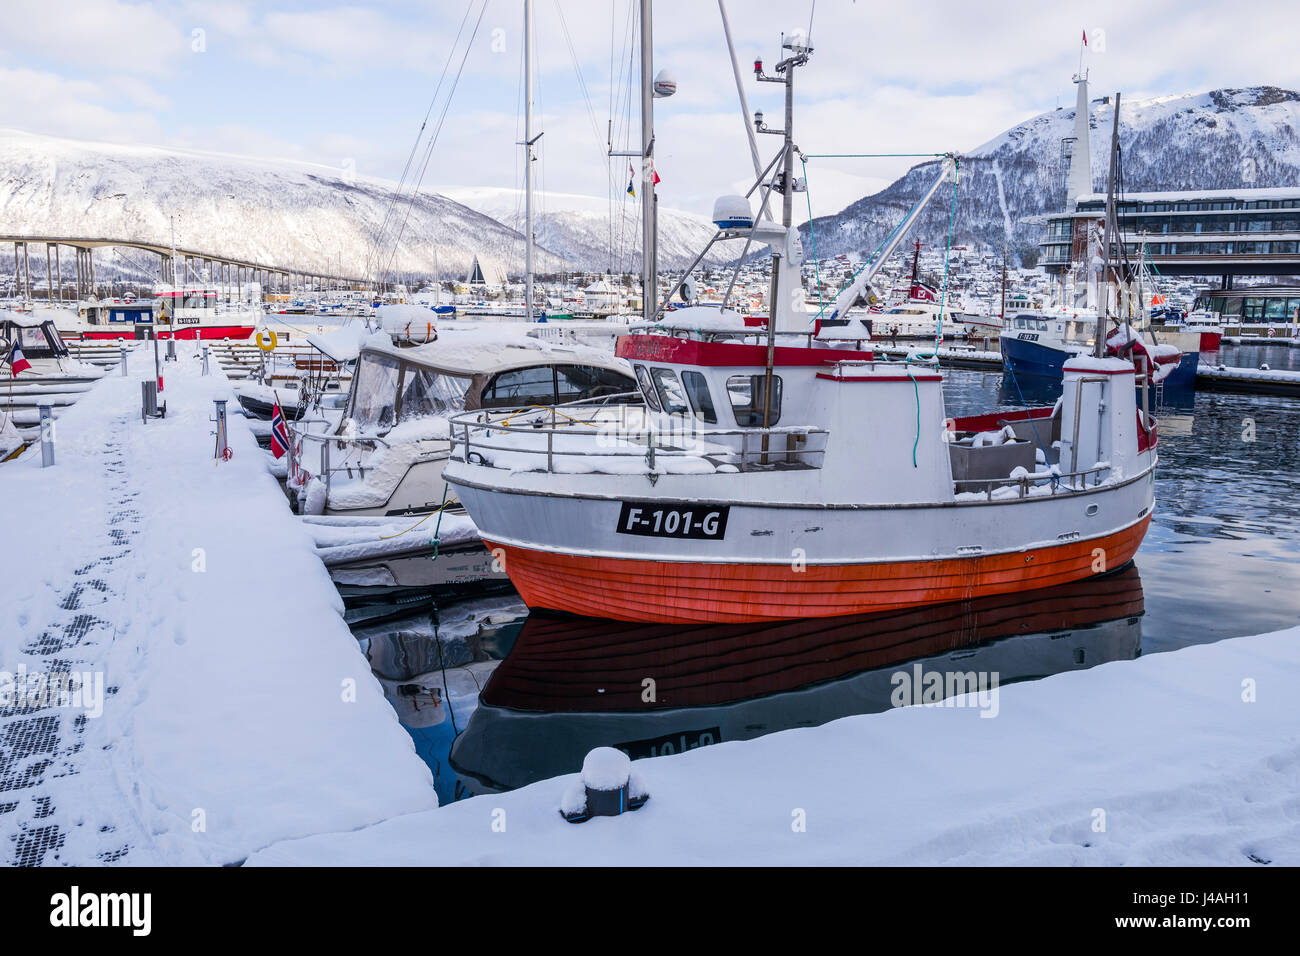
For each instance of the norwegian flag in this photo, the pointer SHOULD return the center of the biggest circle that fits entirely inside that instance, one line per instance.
(279, 431)
(17, 361)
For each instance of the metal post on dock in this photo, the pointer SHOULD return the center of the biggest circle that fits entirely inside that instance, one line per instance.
(222, 450)
(47, 435)
(205, 360)
(122, 349)
(171, 350)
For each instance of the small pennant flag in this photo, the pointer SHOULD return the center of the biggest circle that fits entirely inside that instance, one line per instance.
(654, 175)
(631, 174)
(1085, 37)
(17, 361)
(279, 431)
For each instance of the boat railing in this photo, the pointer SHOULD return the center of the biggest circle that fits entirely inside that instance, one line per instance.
(325, 469)
(575, 436)
(1032, 485)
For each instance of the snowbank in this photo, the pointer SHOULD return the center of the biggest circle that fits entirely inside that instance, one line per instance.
(1180, 758)
(243, 712)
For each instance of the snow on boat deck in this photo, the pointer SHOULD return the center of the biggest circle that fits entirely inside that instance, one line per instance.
(1165, 753)
(228, 716)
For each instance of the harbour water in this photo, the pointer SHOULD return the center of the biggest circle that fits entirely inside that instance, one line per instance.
(1221, 560)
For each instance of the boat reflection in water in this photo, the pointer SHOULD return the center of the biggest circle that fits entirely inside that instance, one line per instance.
(570, 684)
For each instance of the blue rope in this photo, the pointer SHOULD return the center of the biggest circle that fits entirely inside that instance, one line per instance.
(916, 392)
(437, 542)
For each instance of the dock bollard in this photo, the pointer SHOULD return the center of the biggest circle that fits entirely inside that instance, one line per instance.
(205, 360)
(607, 787)
(123, 348)
(149, 401)
(171, 350)
(47, 436)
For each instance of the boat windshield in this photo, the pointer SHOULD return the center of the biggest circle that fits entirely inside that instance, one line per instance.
(427, 392)
(387, 390)
(374, 393)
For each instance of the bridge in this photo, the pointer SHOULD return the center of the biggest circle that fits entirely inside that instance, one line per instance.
(230, 272)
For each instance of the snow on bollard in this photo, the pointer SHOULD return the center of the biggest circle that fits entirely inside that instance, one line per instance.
(123, 349)
(607, 787)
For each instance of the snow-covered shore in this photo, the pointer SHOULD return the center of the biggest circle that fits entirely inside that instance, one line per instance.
(237, 708)
(1183, 758)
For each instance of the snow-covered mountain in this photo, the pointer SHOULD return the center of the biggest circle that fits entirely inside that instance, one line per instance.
(1218, 140)
(290, 214)
(579, 227)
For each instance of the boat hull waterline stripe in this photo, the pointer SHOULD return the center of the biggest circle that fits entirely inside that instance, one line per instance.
(629, 589)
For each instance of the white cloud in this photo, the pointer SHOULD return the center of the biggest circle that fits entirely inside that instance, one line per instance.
(334, 82)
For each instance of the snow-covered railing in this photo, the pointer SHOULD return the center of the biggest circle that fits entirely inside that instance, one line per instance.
(1029, 484)
(593, 436)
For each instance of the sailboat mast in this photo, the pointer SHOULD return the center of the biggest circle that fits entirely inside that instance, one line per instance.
(649, 263)
(528, 160)
(1111, 236)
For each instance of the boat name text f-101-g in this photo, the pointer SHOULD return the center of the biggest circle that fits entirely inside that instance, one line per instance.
(656, 520)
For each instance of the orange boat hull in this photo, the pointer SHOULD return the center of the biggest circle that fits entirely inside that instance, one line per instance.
(632, 589)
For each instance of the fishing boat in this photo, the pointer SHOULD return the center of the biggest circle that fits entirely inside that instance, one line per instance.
(1040, 343)
(789, 477)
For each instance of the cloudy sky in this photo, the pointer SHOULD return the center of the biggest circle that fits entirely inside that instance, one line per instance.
(348, 85)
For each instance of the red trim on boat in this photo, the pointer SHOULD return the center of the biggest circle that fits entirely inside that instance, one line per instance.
(669, 350)
(183, 334)
(992, 420)
(1101, 371)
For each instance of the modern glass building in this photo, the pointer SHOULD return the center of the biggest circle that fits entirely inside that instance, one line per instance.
(1226, 232)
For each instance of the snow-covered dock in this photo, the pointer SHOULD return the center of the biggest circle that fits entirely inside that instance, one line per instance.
(1183, 758)
(209, 709)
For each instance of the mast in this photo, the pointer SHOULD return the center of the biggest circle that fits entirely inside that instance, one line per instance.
(649, 255)
(528, 160)
(1111, 235)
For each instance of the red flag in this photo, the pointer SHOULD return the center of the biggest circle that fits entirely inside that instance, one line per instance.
(1085, 37)
(654, 175)
(279, 431)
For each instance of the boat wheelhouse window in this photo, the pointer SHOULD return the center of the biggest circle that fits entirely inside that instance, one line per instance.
(671, 396)
(747, 399)
(647, 388)
(697, 389)
(33, 342)
(426, 392)
(577, 382)
(521, 386)
(374, 392)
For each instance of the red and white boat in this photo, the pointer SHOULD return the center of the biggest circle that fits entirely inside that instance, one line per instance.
(197, 310)
(775, 474)
(854, 498)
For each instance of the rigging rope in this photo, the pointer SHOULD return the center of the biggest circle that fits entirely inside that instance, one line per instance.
(952, 219)
(433, 140)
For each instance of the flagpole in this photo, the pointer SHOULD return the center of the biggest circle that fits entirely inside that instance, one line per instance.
(528, 159)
